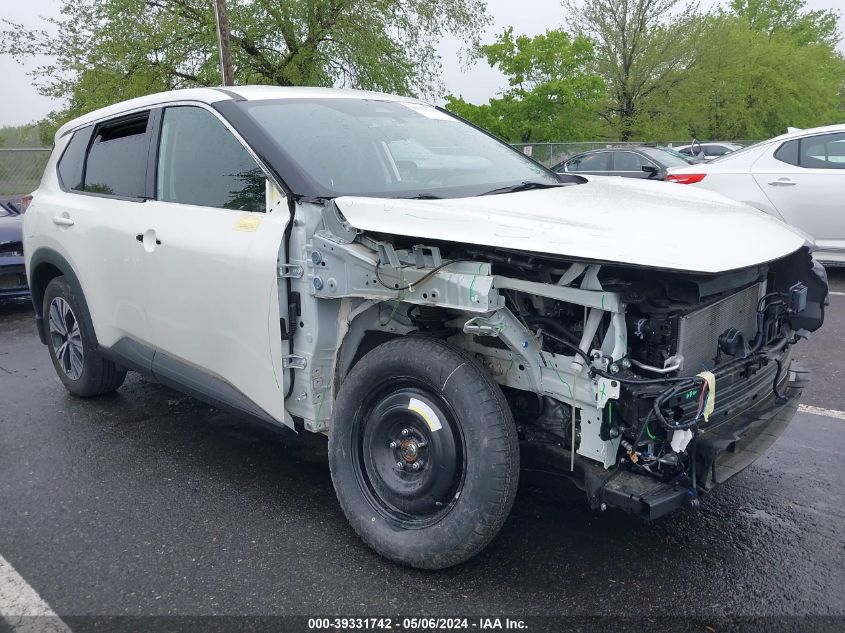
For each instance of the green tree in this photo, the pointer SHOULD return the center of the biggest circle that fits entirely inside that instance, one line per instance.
(761, 66)
(643, 48)
(771, 17)
(103, 51)
(551, 94)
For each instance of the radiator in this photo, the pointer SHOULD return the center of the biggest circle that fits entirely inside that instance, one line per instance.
(699, 331)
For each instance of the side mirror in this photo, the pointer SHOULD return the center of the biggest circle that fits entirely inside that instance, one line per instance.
(651, 170)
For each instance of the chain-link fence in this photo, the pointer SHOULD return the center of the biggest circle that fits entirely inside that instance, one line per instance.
(20, 170)
(550, 154)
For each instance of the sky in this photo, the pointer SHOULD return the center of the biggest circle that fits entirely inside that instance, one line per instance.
(21, 102)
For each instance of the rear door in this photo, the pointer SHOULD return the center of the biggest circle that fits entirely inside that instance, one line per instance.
(210, 247)
(804, 179)
(94, 221)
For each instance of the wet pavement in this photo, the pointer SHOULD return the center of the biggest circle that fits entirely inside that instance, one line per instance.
(146, 502)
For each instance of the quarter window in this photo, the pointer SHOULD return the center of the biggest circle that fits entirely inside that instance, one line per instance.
(201, 163)
(788, 152)
(73, 159)
(117, 161)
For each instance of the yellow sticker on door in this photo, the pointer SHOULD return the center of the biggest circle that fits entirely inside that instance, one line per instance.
(426, 413)
(248, 223)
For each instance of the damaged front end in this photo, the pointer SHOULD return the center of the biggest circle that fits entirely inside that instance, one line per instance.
(646, 386)
(672, 385)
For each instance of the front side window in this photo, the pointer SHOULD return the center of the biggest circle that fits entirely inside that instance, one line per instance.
(201, 163)
(388, 148)
(117, 161)
(826, 151)
(590, 162)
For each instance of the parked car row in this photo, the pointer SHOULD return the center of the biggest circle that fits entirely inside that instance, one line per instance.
(629, 162)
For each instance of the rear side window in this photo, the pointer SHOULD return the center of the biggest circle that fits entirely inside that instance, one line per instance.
(117, 160)
(73, 159)
(201, 163)
(826, 151)
(788, 152)
(715, 150)
(629, 161)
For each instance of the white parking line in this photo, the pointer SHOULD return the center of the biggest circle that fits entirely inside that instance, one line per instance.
(828, 413)
(838, 294)
(22, 608)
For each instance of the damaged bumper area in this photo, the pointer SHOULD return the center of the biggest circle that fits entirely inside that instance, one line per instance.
(722, 449)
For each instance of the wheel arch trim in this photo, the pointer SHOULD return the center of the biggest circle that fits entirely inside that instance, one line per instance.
(43, 266)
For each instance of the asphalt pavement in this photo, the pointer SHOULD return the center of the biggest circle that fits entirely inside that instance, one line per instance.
(146, 502)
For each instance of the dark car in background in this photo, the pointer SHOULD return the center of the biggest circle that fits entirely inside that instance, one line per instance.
(12, 273)
(628, 162)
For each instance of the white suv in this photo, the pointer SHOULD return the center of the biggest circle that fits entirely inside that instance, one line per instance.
(373, 268)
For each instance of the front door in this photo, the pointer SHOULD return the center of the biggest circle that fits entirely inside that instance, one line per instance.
(211, 245)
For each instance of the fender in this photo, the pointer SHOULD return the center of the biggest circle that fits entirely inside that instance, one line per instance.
(44, 265)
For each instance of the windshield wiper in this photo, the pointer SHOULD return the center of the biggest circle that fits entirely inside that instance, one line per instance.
(525, 185)
(422, 196)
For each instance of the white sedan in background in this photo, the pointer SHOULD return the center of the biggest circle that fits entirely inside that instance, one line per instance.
(711, 151)
(798, 177)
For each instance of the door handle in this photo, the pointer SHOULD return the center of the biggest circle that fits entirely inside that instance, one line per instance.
(62, 220)
(783, 182)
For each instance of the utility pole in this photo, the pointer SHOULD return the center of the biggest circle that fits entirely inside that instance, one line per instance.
(222, 17)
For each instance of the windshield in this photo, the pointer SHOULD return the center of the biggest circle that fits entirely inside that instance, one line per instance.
(367, 147)
(669, 158)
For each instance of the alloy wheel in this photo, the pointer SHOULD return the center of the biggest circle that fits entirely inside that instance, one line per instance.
(66, 338)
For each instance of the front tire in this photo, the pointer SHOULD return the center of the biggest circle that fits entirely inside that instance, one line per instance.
(83, 371)
(423, 453)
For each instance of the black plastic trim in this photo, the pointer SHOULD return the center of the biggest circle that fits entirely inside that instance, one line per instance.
(232, 95)
(187, 379)
(49, 256)
(154, 132)
(292, 179)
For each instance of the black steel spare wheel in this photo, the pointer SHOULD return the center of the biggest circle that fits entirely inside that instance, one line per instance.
(423, 453)
(409, 457)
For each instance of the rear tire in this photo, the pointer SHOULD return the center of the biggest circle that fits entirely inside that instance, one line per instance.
(423, 453)
(70, 339)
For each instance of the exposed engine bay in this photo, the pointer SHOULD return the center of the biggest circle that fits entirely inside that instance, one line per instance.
(629, 379)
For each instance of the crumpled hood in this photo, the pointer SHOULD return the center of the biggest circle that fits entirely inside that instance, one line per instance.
(638, 222)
